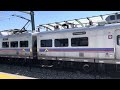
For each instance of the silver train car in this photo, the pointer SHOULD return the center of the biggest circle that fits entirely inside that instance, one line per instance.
(18, 45)
(95, 44)
(99, 43)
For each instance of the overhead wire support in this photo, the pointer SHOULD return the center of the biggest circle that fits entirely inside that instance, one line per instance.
(22, 18)
(102, 17)
(59, 24)
(31, 13)
(25, 25)
(45, 27)
(71, 24)
(79, 22)
(50, 25)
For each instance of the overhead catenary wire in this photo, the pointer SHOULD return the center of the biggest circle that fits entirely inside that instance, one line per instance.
(6, 18)
(11, 17)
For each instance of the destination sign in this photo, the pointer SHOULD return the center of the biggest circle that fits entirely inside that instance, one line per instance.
(5, 38)
(79, 33)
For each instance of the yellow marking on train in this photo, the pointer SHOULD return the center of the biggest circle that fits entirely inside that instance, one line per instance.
(11, 76)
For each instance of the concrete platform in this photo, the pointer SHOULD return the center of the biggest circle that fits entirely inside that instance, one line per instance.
(12, 76)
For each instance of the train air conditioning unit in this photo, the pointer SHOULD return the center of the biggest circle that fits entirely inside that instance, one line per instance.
(114, 18)
(102, 23)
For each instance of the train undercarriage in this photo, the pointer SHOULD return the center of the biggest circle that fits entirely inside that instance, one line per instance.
(85, 67)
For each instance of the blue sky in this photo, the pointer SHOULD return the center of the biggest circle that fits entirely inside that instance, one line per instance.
(43, 17)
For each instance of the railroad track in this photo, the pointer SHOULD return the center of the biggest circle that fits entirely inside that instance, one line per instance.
(52, 73)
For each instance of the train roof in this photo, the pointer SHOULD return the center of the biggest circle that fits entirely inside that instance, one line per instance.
(14, 33)
(89, 23)
(105, 27)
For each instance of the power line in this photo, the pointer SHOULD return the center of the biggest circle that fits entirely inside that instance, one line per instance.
(4, 19)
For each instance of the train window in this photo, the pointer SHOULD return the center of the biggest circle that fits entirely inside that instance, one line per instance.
(112, 17)
(61, 42)
(5, 44)
(118, 40)
(14, 43)
(83, 41)
(118, 16)
(23, 43)
(46, 43)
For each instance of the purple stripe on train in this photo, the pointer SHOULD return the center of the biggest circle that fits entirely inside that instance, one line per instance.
(77, 50)
(12, 50)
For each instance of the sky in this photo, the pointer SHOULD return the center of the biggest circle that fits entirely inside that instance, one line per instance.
(7, 21)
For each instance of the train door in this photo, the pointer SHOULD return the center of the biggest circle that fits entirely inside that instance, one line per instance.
(34, 48)
(117, 39)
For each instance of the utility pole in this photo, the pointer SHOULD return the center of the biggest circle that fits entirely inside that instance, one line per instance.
(32, 21)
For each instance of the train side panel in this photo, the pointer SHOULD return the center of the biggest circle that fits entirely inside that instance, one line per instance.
(16, 51)
(100, 45)
(69, 51)
(105, 42)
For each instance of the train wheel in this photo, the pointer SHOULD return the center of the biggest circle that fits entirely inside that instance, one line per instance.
(88, 68)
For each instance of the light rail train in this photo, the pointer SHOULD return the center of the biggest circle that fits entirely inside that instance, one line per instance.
(92, 43)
